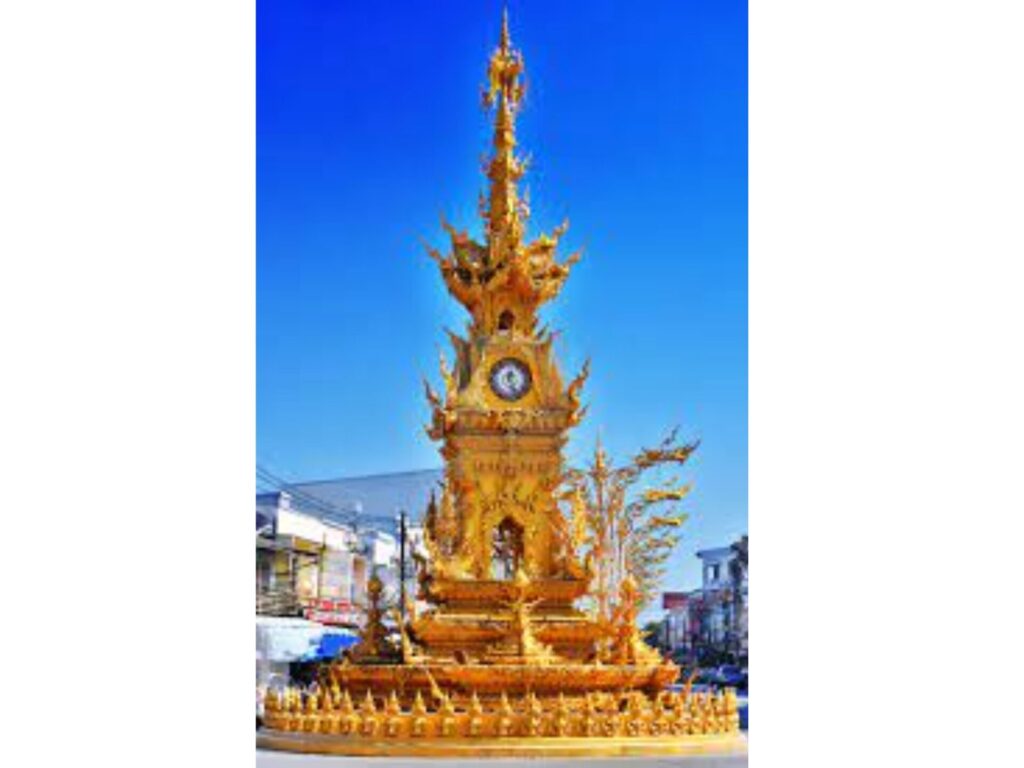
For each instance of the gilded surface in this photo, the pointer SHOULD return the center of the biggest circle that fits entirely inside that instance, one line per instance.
(595, 716)
(505, 653)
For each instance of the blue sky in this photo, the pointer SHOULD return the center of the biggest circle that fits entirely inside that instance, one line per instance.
(369, 127)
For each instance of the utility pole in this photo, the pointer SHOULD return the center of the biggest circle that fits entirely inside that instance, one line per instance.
(401, 562)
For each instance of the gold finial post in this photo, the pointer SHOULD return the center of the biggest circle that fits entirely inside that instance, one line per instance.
(505, 40)
(504, 211)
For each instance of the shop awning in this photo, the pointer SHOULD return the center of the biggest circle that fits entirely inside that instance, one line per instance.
(286, 640)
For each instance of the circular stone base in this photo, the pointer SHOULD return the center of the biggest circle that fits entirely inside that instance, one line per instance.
(717, 744)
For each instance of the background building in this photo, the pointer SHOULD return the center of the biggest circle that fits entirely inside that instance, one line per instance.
(679, 629)
(318, 543)
(306, 563)
(716, 596)
(709, 624)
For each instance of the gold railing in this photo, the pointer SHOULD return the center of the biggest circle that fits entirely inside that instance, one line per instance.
(595, 715)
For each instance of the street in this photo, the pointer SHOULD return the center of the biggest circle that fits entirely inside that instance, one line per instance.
(268, 759)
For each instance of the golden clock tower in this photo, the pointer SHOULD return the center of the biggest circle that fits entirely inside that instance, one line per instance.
(502, 662)
(503, 417)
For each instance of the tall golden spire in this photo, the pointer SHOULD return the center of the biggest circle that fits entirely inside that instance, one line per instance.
(504, 213)
(503, 276)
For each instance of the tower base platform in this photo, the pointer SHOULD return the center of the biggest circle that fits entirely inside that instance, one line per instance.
(598, 724)
(591, 746)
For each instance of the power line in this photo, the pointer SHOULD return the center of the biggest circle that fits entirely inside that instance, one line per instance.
(351, 516)
(301, 495)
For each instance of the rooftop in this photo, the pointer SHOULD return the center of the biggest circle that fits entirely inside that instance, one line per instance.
(371, 498)
(715, 553)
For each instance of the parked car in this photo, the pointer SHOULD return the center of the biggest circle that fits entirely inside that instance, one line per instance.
(730, 675)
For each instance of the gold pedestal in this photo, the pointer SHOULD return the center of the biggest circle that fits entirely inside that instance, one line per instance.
(488, 747)
(333, 721)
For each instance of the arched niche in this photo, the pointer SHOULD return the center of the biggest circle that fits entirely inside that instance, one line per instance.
(507, 546)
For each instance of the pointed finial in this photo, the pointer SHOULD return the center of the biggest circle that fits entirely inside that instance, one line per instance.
(600, 455)
(368, 705)
(393, 705)
(506, 41)
(270, 700)
(418, 705)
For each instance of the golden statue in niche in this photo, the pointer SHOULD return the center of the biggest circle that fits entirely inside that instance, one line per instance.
(535, 574)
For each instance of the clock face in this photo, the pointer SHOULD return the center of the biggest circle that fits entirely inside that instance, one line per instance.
(510, 379)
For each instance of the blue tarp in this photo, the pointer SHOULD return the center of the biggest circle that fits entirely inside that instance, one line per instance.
(287, 640)
(333, 643)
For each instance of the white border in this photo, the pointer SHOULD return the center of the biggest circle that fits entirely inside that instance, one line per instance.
(885, 337)
(127, 296)
(885, 380)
